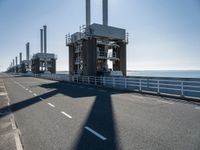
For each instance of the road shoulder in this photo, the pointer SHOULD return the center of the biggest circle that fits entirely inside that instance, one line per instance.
(9, 133)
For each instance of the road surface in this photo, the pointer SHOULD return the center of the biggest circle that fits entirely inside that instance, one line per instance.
(55, 115)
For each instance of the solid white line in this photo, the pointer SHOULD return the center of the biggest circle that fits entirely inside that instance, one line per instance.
(51, 105)
(16, 134)
(166, 102)
(18, 142)
(64, 113)
(21, 86)
(34, 94)
(95, 133)
(198, 107)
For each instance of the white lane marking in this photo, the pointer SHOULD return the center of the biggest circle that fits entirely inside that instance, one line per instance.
(95, 133)
(51, 105)
(30, 91)
(26, 89)
(21, 86)
(3, 93)
(102, 90)
(16, 134)
(198, 107)
(41, 98)
(166, 102)
(34, 94)
(64, 113)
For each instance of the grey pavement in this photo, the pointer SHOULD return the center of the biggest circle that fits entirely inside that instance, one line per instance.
(55, 115)
(9, 134)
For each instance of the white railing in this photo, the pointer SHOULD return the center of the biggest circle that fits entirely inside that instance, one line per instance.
(171, 86)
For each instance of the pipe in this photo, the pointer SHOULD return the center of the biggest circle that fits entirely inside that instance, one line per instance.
(88, 15)
(105, 12)
(41, 40)
(16, 60)
(20, 58)
(27, 51)
(45, 38)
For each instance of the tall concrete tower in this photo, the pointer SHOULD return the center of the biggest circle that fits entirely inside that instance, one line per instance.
(91, 49)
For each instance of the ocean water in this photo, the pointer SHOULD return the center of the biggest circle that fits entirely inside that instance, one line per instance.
(167, 73)
(159, 73)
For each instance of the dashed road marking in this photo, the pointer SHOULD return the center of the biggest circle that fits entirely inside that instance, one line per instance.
(96, 133)
(166, 102)
(34, 94)
(51, 105)
(3, 93)
(64, 113)
(26, 89)
(30, 91)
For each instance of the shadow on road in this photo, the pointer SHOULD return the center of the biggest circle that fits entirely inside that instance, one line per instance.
(101, 117)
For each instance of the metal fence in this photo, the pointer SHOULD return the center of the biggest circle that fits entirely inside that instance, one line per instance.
(179, 87)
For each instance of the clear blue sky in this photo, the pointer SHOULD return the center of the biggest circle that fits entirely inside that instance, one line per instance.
(164, 34)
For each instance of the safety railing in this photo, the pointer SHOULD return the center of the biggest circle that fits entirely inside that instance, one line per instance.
(185, 88)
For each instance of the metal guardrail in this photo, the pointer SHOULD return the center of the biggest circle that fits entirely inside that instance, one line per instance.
(161, 86)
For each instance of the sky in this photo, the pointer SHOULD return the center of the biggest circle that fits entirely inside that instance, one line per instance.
(163, 34)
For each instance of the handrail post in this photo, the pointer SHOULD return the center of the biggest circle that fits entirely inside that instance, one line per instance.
(95, 80)
(125, 82)
(104, 82)
(113, 82)
(140, 85)
(158, 87)
(182, 89)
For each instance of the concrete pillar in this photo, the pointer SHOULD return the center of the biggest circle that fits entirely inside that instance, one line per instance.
(13, 65)
(105, 12)
(20, 58)
(41, 40)
(27, 51)
(88, 15)
(16, 61)
(45, 38)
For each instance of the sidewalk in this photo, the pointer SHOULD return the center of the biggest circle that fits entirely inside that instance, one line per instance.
(9, 134)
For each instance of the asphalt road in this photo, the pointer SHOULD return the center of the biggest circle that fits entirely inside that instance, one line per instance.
(54, 115)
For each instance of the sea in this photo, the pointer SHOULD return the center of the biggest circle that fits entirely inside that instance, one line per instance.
(158, 73)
